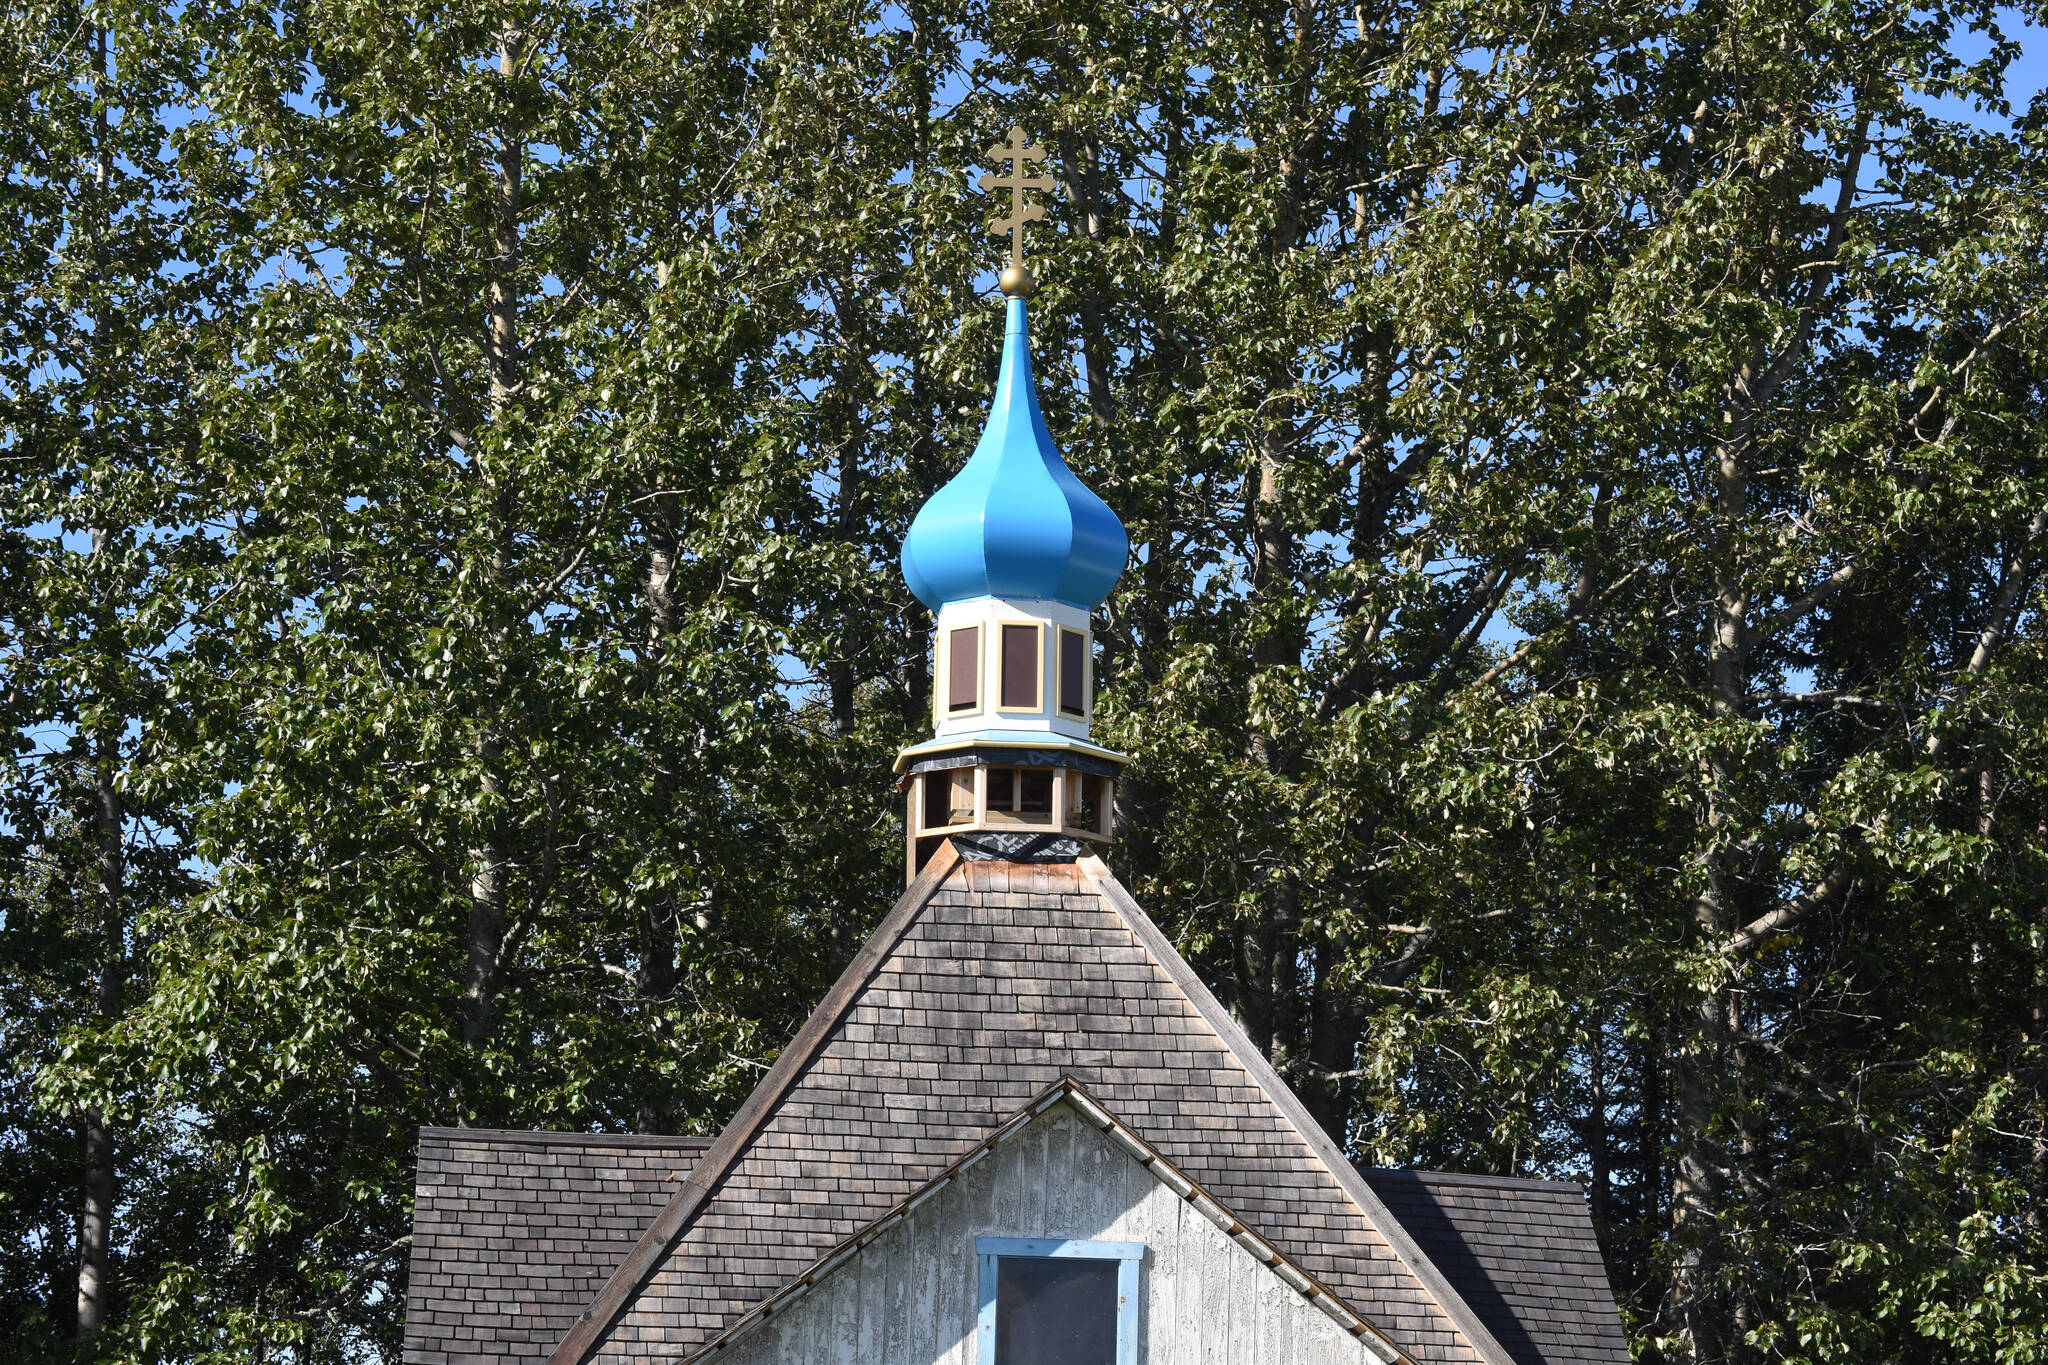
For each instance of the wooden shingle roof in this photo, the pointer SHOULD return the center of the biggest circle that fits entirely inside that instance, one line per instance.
(988, 983)
(514, 1232)
(1523, 1255)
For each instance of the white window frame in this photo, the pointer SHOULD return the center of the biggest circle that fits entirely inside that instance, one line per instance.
(1128, 1256)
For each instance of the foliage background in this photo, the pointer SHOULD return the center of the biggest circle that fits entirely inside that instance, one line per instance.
(1583, 649)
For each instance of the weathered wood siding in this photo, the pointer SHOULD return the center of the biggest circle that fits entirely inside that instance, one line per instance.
(909, 1297)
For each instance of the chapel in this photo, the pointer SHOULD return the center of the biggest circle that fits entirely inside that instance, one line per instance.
(1019, 1129)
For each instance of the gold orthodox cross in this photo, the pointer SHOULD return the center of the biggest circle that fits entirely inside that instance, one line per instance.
(1023, 175)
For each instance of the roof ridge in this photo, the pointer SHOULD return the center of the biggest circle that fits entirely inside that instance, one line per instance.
(1495, 1182)
(584, 1334)
(1403, 1244)
(546, 1137)
(1071, 1092)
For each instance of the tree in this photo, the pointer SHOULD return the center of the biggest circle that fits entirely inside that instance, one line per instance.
(1515, 409)
(1581, 654)
(109, 290)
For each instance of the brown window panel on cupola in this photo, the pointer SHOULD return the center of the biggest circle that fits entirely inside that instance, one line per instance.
(963, 669)
(1073, 672)
(1020, 667)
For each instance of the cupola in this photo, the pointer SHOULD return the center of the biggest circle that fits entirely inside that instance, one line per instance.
(1013, 554)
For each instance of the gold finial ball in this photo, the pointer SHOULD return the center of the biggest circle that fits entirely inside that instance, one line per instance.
(1016, 282)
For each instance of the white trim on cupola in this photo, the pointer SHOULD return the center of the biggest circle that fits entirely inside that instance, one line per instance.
(991, 719)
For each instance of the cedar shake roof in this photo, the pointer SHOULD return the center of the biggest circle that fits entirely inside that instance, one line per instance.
(1523, 1255)
(513, 1232)
(985, 986)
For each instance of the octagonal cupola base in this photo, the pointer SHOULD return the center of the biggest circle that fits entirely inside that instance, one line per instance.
(1002, 796)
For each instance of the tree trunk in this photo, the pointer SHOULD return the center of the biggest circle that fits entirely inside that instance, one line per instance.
(1653, 1078)
(921, 461)
(2037, 1032)
(96, 1213)
(1696, 1184)
(1336, 1023)
(492, 858)
(486, 904)
(2037, 1035)
(1270, 989)
(95, 1226)
(1267, 956)
(660, 919)
(840, 677)
(1599, 1142)
(96, 1219)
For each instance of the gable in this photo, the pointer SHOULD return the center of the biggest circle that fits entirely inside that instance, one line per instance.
(908, 1290)
(988, 983)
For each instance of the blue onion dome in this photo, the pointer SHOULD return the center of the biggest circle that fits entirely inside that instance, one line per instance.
(1015, 522)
